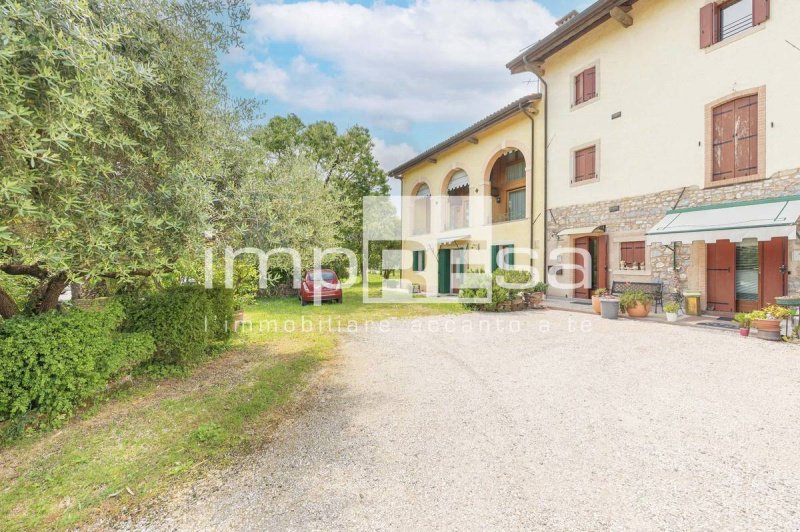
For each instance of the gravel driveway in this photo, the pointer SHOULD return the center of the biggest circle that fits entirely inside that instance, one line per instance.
(533, 420)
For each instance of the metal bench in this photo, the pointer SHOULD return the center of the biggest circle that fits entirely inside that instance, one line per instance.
(655, 289)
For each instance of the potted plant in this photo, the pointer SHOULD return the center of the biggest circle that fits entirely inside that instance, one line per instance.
(672, 309)
(744, 321)
(768, 321)
(636, 303)
(599, 293)
(609, 306)
(536, 295)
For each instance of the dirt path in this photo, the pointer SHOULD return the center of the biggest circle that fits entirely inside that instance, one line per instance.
(524, 421)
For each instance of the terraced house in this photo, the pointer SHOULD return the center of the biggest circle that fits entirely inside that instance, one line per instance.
(475, 201)
(673, 145)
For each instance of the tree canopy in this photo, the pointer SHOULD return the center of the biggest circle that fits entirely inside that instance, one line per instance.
(344, 162)
(121, 151)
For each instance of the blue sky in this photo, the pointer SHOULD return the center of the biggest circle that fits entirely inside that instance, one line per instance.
(412, 71)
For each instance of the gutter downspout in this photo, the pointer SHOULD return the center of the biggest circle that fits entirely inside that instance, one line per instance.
(544, 162)
(533, 150)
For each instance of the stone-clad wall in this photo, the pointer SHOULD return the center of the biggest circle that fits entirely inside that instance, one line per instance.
(633, 216)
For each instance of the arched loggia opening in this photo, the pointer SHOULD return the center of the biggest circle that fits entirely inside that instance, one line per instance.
(508, 187)
(422, 210)
(457, 191)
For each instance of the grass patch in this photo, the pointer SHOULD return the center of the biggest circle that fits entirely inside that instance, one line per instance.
(155, 435)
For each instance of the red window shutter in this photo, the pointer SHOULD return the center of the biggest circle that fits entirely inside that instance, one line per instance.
(708, 24)
(589, 84)
(724, 146)
(746, 136)
(579, 88)
(760, 11)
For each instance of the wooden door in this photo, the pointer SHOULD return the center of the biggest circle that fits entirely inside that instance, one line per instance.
(602, 262)
(721, 276)
(774, 275)
(444, 271)
(583, 291)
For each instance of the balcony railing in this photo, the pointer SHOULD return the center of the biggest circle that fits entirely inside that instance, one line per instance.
(736, 26)
(503, 217)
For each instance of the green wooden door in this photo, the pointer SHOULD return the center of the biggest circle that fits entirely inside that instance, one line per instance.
(444, 271)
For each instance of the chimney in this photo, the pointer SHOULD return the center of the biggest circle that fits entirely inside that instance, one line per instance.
(566, 18)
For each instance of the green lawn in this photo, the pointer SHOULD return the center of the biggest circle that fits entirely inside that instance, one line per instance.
(150, 436)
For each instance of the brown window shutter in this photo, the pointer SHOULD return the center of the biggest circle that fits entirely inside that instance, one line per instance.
(589, 84)
(579, 88)
(638, 248)
(708, 24)
(724, 142)
(746, 136)
(590, 163)
(580, 166)
(760, 11)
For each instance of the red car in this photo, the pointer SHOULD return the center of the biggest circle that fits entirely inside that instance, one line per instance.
(328, 283)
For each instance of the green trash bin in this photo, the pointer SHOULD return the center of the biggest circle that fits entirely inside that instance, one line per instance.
(692, 303)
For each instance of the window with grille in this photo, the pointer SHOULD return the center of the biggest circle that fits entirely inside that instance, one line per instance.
(720, 21)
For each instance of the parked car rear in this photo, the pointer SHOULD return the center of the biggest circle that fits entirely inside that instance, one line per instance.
(326, 282)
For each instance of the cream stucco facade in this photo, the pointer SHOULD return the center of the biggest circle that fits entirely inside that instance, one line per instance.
(653, 93)
(488, 223)
(656, 75)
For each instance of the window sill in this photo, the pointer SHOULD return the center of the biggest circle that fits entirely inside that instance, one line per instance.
(734, 38)
(575, 107)
(734, 181)
(584, 182)
(633, 273)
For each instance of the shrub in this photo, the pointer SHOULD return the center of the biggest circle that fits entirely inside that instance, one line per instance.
(772, 312)
(184, 321)
(53, 362)
(500, 294)
(672, 308)
(630, 298)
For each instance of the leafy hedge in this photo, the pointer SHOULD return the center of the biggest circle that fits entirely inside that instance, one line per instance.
(185, 321)
(500, 294)
(53, 362)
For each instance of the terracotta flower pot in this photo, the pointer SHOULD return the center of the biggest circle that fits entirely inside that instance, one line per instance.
(768, 325)
(638, 310)
(536, 299)
(744, 332)
(596, 304)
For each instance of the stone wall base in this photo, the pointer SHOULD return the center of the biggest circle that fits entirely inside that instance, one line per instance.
(628, 219)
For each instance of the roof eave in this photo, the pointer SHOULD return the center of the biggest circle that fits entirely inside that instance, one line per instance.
(581, 24)
(492, 120)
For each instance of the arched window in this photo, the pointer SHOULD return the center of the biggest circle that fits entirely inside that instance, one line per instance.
(458, 200)
(422, 210)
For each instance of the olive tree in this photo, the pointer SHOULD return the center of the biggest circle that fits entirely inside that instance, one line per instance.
(109, 117)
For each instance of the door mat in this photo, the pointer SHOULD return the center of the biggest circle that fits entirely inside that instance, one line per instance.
(581, 303)
(719, 325)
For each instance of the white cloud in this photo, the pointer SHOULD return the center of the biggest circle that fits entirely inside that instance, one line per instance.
(392, 155)
(434, 60)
